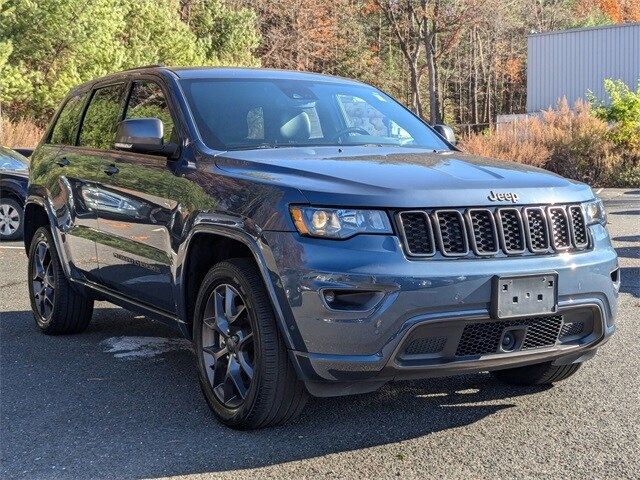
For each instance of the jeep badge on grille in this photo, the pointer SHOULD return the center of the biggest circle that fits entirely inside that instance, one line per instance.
(500, 197)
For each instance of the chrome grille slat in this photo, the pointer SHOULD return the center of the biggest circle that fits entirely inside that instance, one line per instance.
(451, 233)
(511, 230)
(536, 229)
(486, 231)
(578, 226)
(482, 231)
(417, 233)
(559, 228)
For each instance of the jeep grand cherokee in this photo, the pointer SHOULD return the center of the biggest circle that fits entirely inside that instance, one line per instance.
(311, 236)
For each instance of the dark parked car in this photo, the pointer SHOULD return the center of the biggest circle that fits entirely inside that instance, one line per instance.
(311, 236)
(14, 176)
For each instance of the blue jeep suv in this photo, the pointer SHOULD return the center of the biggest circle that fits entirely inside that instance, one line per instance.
(311, 236)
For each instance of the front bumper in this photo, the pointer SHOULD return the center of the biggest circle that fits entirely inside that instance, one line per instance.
(351, 351)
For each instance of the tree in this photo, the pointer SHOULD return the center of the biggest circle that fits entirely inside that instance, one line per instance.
(226, 35)
(407, 23)
(84, 39)
(444, 20)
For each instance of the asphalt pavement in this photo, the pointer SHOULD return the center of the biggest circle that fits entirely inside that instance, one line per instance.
(122, 401)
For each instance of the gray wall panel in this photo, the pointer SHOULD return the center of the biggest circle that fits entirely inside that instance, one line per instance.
(571, 62)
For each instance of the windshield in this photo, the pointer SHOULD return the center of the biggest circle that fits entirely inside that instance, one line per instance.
(10, 160)
(234, 114)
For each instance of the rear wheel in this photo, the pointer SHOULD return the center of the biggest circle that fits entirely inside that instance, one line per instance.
(244, 369)
(57, 307)
(11, 219)
(539, 374)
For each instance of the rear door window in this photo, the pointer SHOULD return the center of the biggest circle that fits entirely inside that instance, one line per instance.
(66, 127)
(103, 114)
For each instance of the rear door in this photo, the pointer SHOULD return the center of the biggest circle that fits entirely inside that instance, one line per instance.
(138, 211)
(58, 175)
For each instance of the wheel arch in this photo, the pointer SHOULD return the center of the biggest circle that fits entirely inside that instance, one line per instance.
(208, 245)
(7, 192)
(36, 215)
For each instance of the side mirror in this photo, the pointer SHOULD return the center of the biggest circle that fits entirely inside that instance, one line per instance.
(143, 135)
(446, 132)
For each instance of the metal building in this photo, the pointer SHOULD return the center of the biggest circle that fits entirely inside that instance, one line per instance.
(569, 63)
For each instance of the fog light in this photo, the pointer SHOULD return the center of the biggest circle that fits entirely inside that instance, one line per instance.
(508, 341)
(329, 296)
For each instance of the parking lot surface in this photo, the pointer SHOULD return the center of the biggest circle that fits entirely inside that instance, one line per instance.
(122, 401)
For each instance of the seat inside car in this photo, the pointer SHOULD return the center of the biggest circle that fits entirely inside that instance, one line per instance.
(295, 126)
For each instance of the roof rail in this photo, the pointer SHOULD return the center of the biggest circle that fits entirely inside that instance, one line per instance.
(155, 65)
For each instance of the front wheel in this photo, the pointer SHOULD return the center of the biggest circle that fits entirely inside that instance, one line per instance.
(244, 369)
(538, 374)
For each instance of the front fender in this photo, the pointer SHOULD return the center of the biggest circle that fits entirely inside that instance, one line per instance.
(237, 229)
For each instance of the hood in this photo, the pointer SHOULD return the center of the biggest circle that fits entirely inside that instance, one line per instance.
(401, 177)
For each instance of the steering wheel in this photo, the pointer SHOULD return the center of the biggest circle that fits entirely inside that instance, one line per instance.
(349, 130)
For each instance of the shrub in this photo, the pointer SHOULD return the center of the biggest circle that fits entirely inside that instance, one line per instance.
(21, 133)
(521, 144)
(579, 144)
(569, 141)
(622, 113)
(628, 177)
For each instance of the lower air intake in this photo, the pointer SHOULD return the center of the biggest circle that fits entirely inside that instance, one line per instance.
(424, 346)
(484, 338)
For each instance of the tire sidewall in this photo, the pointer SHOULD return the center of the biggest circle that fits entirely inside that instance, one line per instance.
(226, 273)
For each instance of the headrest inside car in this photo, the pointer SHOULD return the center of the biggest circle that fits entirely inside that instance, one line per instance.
(297, 128)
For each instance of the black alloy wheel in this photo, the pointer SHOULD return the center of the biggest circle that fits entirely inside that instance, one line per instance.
(227, 345)
(244, 369)
(58, 308)
(42, 279)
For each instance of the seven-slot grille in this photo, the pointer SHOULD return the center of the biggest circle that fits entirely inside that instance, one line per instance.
(486, 231)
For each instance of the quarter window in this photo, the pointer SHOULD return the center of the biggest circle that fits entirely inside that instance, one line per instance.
(104, 112)
(66, 127)
(148, 101)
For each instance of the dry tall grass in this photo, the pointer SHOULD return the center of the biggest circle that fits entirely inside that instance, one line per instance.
(568, 141)
(21, 133)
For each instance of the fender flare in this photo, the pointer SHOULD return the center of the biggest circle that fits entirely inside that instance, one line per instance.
(235, 229)
(57, 237)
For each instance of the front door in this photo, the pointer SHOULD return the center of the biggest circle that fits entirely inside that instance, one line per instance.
(137, 212)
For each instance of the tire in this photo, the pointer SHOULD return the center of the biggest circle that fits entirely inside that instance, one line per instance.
(11, 220)
(538, 374)
(57, 307)
(252, 343)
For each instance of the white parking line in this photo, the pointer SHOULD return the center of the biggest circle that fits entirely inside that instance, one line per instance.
(12, 246)
(599, 190)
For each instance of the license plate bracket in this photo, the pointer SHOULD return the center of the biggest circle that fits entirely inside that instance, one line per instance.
(524, 295)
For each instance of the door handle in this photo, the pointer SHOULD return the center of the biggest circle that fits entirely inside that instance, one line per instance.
(111, 170)
(63, 162)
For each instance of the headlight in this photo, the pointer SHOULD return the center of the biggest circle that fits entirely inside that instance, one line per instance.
(339, 222)
(594, 212)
